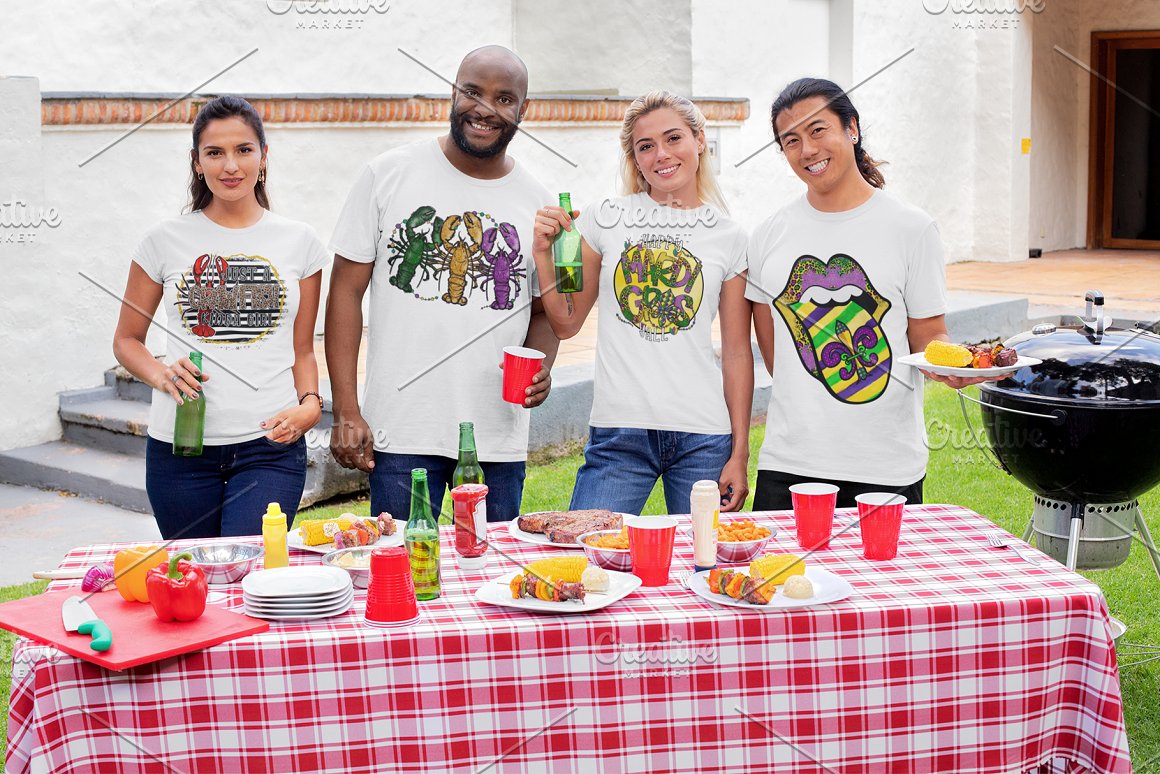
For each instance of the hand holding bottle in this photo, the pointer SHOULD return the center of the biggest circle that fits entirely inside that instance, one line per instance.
(180, 379)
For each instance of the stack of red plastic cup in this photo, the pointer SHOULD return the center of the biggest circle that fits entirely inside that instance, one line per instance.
(391, 590)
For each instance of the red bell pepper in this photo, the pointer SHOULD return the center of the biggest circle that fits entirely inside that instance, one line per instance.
(178, 592)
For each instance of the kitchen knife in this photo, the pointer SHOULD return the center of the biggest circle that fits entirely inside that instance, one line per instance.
(79, 617)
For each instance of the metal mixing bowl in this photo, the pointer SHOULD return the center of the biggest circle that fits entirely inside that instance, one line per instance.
(359, 576)
(226, 562)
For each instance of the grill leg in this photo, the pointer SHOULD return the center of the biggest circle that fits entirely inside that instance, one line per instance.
(1073, 538)
(1027, 533)
(1146, 539)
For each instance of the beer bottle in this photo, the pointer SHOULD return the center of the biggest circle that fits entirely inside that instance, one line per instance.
(566, 254)
(467, 470)
(421, 536)
(189, 424)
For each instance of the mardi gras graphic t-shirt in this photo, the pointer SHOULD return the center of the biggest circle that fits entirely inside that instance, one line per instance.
(231, 294)
(841, 286)
(660, 286)
(451, 287)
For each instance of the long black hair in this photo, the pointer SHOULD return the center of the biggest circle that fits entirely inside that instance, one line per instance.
(837, 101)
(225, 106)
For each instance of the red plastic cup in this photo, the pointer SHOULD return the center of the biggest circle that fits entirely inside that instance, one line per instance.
(813, 513)
(880, 517)
(390, 590)
(520, 364)
(650, 544)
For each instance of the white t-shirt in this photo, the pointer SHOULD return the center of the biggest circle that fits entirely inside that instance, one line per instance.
(451, 287)
(660, 287)
(232, 294)
(842, 285)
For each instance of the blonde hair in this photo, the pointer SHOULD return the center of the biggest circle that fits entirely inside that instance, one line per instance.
(632, 180)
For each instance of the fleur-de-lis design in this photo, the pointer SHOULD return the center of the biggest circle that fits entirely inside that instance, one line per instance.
(853, 352)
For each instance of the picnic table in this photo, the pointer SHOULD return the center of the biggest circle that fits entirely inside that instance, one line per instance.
(955, 656)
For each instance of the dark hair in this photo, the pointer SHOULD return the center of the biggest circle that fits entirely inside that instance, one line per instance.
(837, 101)
(226, 106)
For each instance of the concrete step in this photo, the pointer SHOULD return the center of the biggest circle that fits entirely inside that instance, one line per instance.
(109, 423)
(118, 479)
(976, 317)
(127, 386)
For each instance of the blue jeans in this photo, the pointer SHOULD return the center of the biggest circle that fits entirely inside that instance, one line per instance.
(391, 484)
(224, 492)
(622, 464)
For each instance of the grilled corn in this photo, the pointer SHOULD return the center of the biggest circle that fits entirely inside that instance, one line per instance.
(941, 353)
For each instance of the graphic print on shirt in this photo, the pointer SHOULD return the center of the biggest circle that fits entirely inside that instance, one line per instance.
(834, 315)
(659, 286)
(461, 253)
(234, 299)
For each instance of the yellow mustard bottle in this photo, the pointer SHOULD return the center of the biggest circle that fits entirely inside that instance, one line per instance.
(274, 537)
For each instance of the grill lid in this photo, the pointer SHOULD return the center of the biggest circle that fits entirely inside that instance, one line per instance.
(1084, 361)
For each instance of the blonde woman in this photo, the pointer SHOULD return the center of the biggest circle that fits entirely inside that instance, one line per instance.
(667, 259)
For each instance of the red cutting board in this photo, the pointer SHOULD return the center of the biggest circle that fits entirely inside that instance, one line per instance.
(139, 637)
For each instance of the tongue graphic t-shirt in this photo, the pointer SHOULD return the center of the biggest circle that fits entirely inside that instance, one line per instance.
(841, 286)
(451, 287)
(660, 287)
(232, 294)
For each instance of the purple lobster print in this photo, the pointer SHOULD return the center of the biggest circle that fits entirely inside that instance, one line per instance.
(504, 267)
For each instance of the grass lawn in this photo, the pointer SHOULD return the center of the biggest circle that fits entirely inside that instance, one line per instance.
(958, 473)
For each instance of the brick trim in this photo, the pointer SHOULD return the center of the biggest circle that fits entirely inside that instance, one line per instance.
(59, 109)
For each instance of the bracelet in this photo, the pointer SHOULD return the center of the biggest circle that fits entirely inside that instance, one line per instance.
(306, 395)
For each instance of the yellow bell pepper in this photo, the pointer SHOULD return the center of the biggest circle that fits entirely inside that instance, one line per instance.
(130, 567)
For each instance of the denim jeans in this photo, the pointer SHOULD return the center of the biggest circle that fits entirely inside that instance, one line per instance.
(772, 490)
(622, 464)
(224, 492)
(391, 484)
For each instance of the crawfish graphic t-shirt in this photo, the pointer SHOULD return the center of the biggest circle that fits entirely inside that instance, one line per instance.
(451, 287)
(231, 294)
(660, 286)
(841, 286)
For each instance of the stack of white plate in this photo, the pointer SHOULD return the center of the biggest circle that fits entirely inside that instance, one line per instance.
(314, 591)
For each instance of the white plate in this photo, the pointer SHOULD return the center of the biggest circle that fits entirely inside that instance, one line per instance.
(280, 616)
(541, 539)
(294, 540)
(498, 592)
(308, 581)
(828, 587)
(281, 603)
(918, 360)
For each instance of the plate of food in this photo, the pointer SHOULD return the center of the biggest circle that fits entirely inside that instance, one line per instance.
(561, 528)
(774, 582)
(546, 586)
(947, 359)
(321, 536)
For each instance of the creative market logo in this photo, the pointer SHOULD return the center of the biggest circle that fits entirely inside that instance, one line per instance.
(983, 14)
(328, 14)
(20, 222)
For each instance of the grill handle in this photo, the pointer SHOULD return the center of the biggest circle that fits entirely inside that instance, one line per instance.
(1095, 323)
(1057, 416)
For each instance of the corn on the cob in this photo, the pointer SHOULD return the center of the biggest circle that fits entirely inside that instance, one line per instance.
(566, 569)
(776, 568)
(317, 531)
(941, 353)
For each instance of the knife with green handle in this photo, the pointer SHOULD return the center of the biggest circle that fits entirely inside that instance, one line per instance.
(79, 617)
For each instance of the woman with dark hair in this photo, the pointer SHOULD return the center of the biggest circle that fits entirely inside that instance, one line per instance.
(240, 286)
(856, 279)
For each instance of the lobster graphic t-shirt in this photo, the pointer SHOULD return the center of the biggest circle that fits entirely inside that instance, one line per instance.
(841, 286)
(451, 287)
(661, 272)
(231, 294)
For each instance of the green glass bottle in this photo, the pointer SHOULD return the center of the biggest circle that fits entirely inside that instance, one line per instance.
(467, 470)
(189, 425)
(566, 254)
(421, 536)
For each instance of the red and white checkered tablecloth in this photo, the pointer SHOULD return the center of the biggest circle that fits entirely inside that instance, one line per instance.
(954, 657)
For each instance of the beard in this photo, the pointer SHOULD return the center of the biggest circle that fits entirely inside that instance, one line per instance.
(507, 132)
